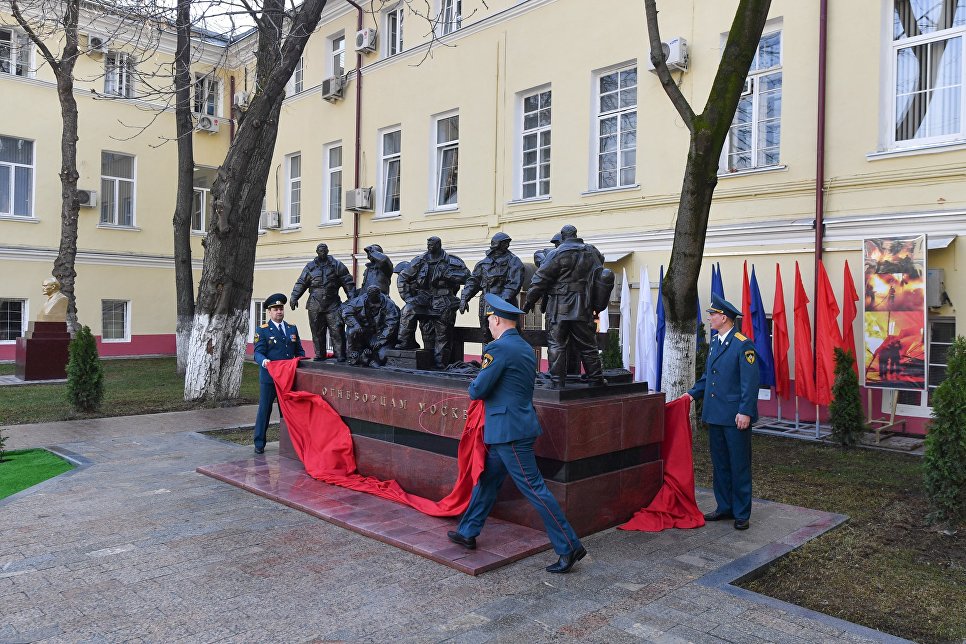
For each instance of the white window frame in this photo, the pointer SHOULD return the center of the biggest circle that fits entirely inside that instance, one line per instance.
(127, 322)
(254, 319)
(210, 102)
(893, 99)
(438, 150)
(13, 181)
(618, 113)
(298, 77)
(24, 316)
(541, 132)
(752, 82)
(450, 16)
(293, 192)
(385, 161)
(334, 54)
(115, 220)
(393, 42)
(119, 76)
(328, 173)
(204, 194)
(17, 63)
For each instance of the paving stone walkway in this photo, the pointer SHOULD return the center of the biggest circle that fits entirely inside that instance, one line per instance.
(137, 546)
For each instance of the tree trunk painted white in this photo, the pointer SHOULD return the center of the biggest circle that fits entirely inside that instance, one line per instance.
(182, 338)
(677, 373)
(216, 353)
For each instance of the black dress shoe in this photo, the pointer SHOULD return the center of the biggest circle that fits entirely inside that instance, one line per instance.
(566, 562)
(741, 524)
(467, 542)
(259, 450)
(718, 516)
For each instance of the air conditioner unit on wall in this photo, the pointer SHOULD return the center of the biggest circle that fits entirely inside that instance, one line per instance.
(676, 54)
(332, 88)
(96, 44)
(358, 199)
(87, 198)
(242, 99)
(366, 40)
(208, 124)
(270, 219)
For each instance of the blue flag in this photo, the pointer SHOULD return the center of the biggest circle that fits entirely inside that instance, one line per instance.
(661, 328)
(717, 287)
(759, 321)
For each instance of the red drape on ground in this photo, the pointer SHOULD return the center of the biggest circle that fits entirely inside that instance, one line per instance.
(324, 444)
(780, 342)
(804, 371)
(849, 313)
(747, 324)
(827, 337)
(675, 505)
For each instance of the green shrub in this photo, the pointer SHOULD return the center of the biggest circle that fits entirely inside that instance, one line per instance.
(612, 357)
(85, 375)
(845, 412)
(944, 464)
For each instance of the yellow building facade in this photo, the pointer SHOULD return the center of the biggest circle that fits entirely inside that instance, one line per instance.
(518, 117)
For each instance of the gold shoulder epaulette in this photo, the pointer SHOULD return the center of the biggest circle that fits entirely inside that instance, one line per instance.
(264, 326)
(739, 336)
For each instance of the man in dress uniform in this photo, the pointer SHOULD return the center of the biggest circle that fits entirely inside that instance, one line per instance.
(505, 384)
(500, 272)
(322, 278)
(274, 340)
(729, 387)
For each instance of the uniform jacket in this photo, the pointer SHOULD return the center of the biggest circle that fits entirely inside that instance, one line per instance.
(730, 381)
(432, 283)
(563, 277)
(498, 274)
(505, 384)
(273, 344)
(378, 273)
(323, 281)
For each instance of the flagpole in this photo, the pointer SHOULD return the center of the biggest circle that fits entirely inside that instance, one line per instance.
(816, 422)
(779, 405)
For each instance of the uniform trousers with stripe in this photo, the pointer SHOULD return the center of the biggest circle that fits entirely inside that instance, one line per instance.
(516, 459)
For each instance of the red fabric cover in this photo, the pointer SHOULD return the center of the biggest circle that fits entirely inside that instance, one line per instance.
(804, 371)
(827, 337)
(324, 445)
(747, 324)
(675, 505)
(780, 338)
(849, 313)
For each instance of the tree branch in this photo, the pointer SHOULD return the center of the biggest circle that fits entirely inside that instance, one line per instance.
(25, 25)
(660, 66)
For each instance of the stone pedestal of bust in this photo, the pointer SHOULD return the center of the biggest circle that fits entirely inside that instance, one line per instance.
(42, 355)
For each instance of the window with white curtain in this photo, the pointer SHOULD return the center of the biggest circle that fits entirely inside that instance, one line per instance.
(394, 30)
(616, 156)
(391, 171)
(927, 59)
(13, 319)
(535, 144)
(15, 53)
(117, 189)
(447, 144)
(755, 135)
(16, 177)
(119, 74)
(294, 190)
(115, 321)
(332, 212)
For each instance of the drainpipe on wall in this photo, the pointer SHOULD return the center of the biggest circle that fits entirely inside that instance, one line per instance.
(358, 146)
(231, 97)
(820, 140)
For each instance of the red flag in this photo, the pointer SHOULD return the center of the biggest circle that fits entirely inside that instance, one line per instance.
(779, 332)
(827, 337)
(747, 326)
(804, 371)
(849, 313)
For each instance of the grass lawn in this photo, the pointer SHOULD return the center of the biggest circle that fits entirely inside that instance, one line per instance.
(884, 568)
(143, 386)
(25, 468)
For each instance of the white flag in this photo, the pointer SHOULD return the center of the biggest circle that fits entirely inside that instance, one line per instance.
(645, 345)
(604, 317)
(625, 329)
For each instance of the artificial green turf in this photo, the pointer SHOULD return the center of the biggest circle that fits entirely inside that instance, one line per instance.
(26, 468)
(141, 386)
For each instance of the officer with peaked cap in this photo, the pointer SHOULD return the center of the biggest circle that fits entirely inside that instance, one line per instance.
(274, 340)
(505, 384)
(729, 388)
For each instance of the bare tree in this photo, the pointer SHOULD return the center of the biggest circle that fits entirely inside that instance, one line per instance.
(218, 337)
(708, 131)
(42, 25)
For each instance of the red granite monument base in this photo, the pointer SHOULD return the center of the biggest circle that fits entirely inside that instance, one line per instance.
(600, 455)
(42, 355)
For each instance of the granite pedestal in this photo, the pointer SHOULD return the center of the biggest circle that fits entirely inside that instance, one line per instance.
(600, 450)
(42, 355)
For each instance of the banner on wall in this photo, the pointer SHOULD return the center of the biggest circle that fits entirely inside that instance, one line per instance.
(894, 312)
